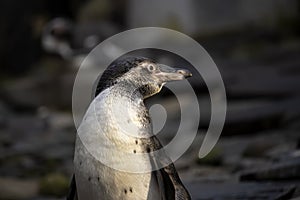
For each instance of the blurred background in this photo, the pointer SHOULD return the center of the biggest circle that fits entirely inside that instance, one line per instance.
(255, 44)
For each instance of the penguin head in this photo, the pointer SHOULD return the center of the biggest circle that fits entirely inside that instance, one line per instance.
(143, 74)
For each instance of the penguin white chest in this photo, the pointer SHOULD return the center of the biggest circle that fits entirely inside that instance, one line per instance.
(108, 136)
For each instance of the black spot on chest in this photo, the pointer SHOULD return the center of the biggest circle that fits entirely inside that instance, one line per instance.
(126, 190)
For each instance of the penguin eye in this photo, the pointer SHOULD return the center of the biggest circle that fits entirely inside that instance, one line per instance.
(151, 68)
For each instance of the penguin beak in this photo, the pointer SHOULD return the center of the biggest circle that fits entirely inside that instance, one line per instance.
(167, 73)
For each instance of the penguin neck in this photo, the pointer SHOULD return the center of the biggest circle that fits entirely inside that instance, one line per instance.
(128, 91)
(138, 90)
(127, 103)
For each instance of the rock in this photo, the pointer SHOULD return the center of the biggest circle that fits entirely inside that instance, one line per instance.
(60, 152)
(54, 184)
(14, 189)
(279, 79)
(257, 115)
(283, 152)
(237, 191)
(23, 93)
(60, 120)
(209, 174)
(288, 170)
(251, 163)
(5, 114)
(248, 117)
(258, 148)
(24, 125)
(265, 87)
(28, 93)
(213, 158)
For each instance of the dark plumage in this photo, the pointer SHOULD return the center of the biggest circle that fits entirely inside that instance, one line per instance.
(115, 70)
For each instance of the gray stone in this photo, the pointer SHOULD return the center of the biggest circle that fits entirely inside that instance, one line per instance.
(288, 170)
(236, 191)
(14, 189)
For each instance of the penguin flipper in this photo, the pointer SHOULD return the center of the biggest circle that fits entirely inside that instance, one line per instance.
(181, 192)
(72, 194)
(165, 185)
(168, 179)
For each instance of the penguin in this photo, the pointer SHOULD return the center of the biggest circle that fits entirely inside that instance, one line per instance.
(116, 128)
